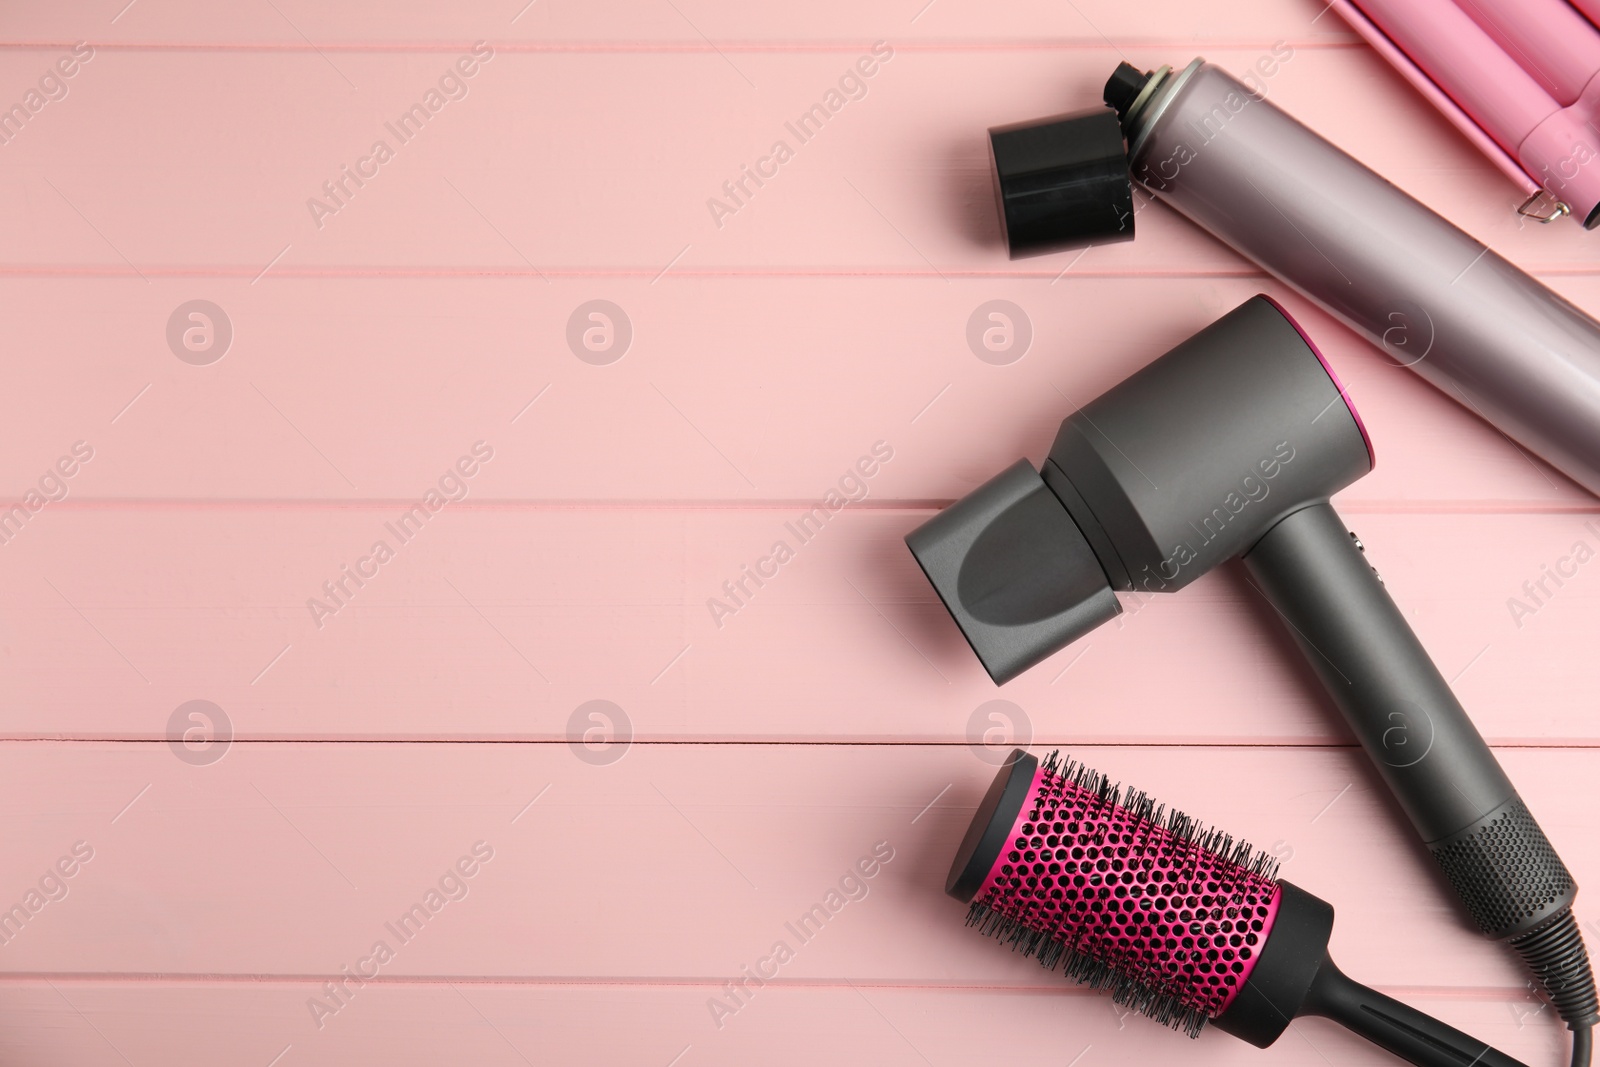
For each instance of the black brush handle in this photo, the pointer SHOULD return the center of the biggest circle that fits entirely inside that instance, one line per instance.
(1310, 567)
(1293, 977)
(1402, 1030)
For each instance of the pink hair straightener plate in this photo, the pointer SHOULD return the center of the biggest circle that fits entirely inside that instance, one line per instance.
(1520, 78)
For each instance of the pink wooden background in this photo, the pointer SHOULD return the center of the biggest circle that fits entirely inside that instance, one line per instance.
(442, 708)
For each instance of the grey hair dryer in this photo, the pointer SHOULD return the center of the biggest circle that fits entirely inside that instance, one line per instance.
(1230, 445)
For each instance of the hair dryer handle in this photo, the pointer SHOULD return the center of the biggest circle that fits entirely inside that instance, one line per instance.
(1310, 567)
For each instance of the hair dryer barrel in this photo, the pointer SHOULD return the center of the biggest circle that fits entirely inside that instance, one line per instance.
(1431, 296)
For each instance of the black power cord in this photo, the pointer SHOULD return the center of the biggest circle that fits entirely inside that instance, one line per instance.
(1556, 955)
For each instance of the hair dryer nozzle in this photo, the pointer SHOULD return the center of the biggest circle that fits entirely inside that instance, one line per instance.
(1014, 571)
(1183, 465)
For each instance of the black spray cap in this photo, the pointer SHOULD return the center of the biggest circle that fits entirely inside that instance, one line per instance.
(1062, 182)
(1014, 570)
(1126, 84)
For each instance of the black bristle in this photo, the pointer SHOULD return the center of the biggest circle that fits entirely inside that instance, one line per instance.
(1130, 990)
(1175, 822)
(1127, 991)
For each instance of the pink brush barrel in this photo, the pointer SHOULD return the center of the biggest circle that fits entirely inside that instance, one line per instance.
(1113, 884)
(1556, 145)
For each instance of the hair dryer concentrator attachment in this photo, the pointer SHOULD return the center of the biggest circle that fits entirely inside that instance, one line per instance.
(1014, 571)
(1179, 922)
(1180, 467)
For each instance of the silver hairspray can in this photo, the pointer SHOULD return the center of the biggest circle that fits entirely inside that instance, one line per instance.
(1434, 298)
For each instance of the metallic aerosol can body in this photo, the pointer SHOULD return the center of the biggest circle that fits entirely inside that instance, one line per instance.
(1431, 296)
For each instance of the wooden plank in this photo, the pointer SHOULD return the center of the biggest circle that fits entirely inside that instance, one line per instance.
(499, 622)
(513, 1024)
(441, 709)
(728, 389)
(513, 176)
(290, 859)
(622, 24)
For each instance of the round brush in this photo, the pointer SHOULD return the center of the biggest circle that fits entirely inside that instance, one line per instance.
(1180, 922)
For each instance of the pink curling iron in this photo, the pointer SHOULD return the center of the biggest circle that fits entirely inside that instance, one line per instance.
(1520, 78)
